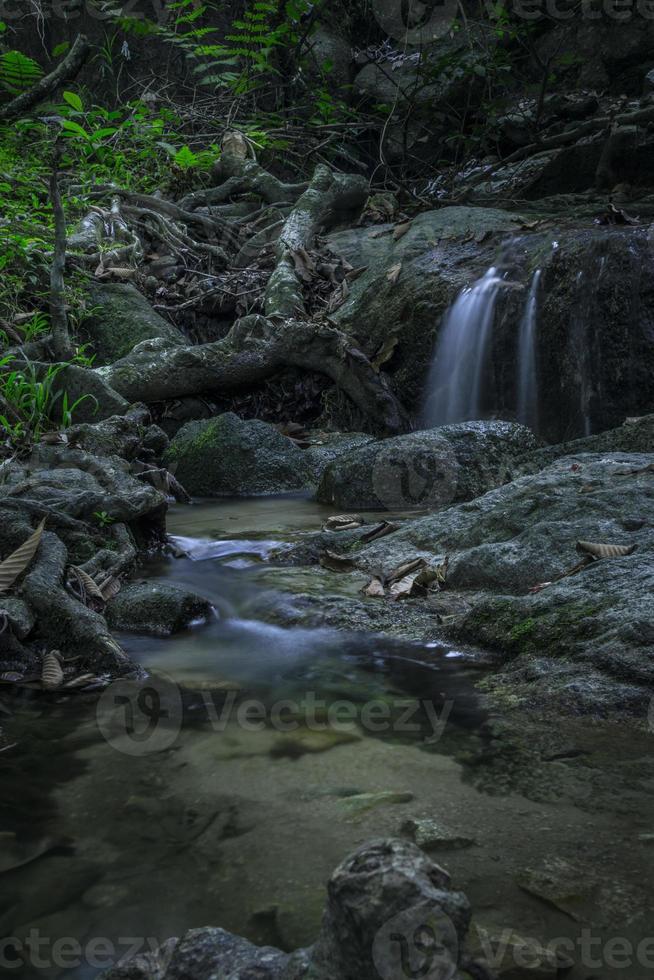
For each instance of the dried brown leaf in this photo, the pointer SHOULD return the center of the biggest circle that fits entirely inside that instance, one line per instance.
(337, 563)
(599, 551)
(19, 561)
(401, 230)
(52, 675)
(393, 273)
(374, 588)
(90, 588)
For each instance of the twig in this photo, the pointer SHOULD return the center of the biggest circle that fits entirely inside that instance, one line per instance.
(66, 69)
(58, 316)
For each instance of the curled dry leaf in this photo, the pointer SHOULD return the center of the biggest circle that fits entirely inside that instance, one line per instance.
(19, 561)
(342, 522)
(337, 563)
(378, 531)
(401, 230)
(89, 588)
(52, 675)
(393, 273)
(110, 588)
(374, 588)
(599, 551)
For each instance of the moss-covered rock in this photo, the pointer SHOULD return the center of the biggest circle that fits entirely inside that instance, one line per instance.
(227, 455)
(155, 609)
(432, 468)
(121, 318)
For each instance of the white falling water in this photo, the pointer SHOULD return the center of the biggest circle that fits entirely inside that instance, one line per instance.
(527, 366)
(456, 377)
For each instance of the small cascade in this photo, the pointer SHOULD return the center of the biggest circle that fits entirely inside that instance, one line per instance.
(527, 367)
(454, 387)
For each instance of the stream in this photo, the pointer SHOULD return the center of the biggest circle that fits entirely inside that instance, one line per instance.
(274, 750)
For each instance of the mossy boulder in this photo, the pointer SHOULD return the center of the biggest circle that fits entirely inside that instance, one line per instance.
(121, 318)
(155, 609)
(432, 468)
(227, 455)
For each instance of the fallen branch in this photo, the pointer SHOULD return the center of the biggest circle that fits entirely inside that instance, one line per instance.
(66, 69)
(328, 196)
(255, 349)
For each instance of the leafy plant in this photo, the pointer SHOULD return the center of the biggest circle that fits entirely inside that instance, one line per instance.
(18, 72)
(103, 518)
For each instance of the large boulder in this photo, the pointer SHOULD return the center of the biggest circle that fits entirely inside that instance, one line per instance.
(596, 625)
(428, 469)
(227, 455)
(155, 609)
(120, 318)
(388, 890)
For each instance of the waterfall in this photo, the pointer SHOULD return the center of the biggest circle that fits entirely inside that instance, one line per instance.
(527, 369)
(454, 387)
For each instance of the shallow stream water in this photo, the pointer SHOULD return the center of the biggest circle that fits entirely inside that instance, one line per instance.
(272, 753)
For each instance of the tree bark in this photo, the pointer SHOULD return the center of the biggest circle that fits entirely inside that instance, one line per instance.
(66, 69)
(255, 349)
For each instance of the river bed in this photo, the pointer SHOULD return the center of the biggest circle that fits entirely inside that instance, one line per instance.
(235, 816)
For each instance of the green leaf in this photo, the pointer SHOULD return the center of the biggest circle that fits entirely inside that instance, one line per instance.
(75, 129)
(60, 49)
(73, 100)
(185, 158)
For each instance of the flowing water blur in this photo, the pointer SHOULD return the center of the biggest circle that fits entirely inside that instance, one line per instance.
(455, 383)
(228, 820)
(527, 359)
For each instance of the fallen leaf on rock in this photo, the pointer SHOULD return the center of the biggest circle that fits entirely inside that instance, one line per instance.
(378, 531)
(375, 588)
(401, 230)
(393, 273)
(52, 675)
(19, 560)
(305, 267)
(403, 588)
(89, 588)
(342, 522)
(337, 563)
(406, 568)
(385, 352)
(599, 551)
(110, 588)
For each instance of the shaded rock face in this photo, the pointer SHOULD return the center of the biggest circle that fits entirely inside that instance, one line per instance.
(592, 632)
(155, 609)
(438, 256)
(432, 468)
(594, 330)
(379, 898)
(227, 455)
(121, 318)
(595, 311)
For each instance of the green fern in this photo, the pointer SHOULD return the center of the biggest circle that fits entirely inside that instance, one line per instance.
(18, 72)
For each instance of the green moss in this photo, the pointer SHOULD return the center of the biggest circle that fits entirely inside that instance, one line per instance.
(522, 630)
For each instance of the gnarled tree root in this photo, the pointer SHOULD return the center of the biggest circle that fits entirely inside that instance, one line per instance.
(256, 348)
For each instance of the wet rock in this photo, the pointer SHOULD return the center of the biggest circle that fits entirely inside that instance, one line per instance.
(128, 436)
(96, 399)
(596, 626)
(19, 616)
(442, 252)
(386, 886)
(227, 455)
(431, 468)
(121, 318)
(155, 609)
(516, 957)
(634, 436)
(430, 835)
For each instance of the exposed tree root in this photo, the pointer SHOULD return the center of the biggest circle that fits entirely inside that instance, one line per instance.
(256, 348)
